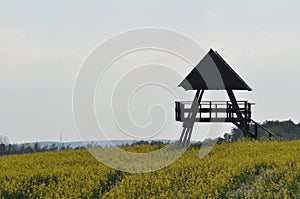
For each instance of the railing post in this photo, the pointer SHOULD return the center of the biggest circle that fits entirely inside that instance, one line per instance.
(246, 111)
(199, 112)
(209, 110)
(227, 106)
(230, 110)
(249, 111)
(177, 111)
(181, 105)
(216, 106)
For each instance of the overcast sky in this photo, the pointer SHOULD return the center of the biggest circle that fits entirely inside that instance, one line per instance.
(43, 43)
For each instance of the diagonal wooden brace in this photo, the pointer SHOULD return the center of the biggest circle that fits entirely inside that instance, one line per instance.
(189, 123)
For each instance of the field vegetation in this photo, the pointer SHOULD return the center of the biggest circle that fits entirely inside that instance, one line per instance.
(241, 169)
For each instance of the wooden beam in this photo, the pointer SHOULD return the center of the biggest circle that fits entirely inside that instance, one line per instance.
(235, 105)
(189, 123)
(182, 134)
(270, 133)
(256, 130)
(237, 124)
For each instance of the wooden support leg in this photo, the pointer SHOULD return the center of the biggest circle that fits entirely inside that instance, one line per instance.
(182, 134)
(255, 130)
(247, 127)
(189, 137)
(189, 123)
(185, 137)
(235, 106)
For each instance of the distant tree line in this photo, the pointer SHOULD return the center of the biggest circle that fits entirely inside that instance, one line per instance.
(282, 129)
(153, 142)
(8, 149)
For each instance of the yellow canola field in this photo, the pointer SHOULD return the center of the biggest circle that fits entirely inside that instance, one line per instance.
(242, 169)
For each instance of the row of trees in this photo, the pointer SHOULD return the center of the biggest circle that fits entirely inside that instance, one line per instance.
(284, 129)
(7, 149)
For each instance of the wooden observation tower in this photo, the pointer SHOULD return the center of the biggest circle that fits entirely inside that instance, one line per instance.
(213, 73)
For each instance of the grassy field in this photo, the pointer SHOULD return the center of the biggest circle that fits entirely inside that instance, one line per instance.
(243, 169)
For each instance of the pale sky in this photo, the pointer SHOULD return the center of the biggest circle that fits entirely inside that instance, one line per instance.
(43, 43)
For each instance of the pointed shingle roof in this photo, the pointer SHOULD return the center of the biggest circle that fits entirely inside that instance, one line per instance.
(213, 73)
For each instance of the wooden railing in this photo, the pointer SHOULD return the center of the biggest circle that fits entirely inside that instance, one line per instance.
(213, 111)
